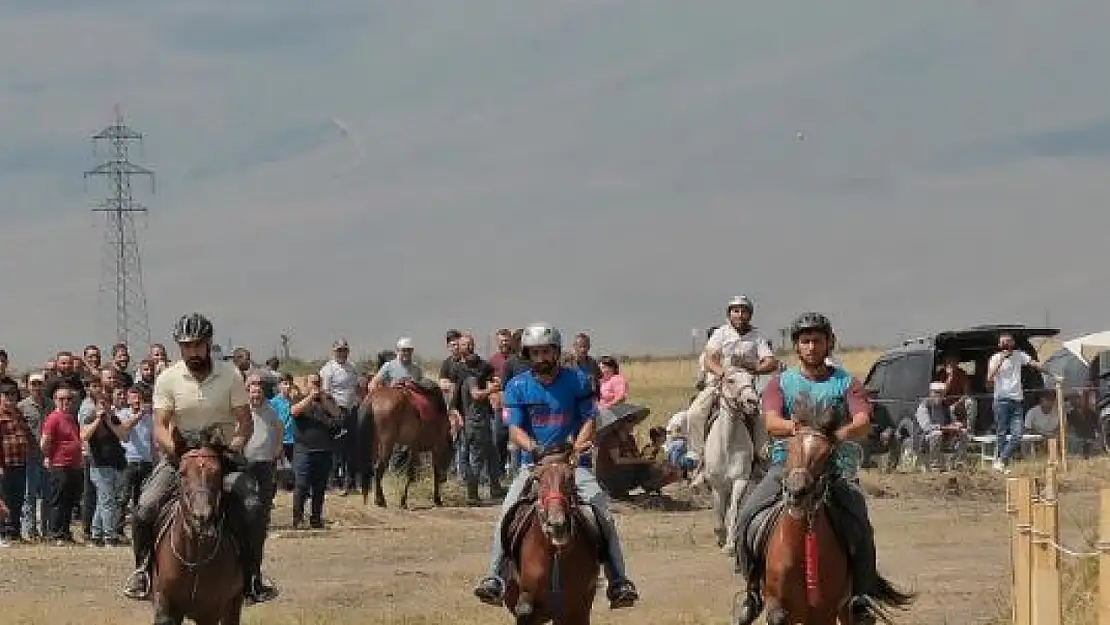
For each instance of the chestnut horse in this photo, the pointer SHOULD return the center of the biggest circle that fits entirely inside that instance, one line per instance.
(808, 576)
(554, 544)
(196, 563)
(404, 414)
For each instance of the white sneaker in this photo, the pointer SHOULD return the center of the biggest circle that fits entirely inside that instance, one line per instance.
(4, 543)
(998, 466)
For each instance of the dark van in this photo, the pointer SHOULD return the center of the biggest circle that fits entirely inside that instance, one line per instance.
(900, 377)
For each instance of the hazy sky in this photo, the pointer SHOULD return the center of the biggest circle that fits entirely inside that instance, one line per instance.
(617, 166)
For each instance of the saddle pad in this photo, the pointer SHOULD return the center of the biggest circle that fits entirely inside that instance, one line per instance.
(421, 402)
(759, 532)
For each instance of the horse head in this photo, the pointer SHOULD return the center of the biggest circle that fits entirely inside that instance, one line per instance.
(738, 392)
(201, 472)
(808, 455)
(555, 496)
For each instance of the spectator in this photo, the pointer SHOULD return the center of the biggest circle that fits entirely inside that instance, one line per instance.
(614, 388)
(315, 417)
(581, 359)
(121, 360)
(1041, 418)
(1004, 372)
(15, 451)
(935, 422)
(504, 351)
(34, 411)
(61, 450)
(138, 449)
(283, 405)
(477, 384)
(4, 377)
(103, 432)
(340, 380)
(264, 447)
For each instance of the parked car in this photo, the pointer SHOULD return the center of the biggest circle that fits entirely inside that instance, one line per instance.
(900, 377)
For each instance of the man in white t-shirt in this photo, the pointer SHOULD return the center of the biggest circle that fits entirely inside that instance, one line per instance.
(735, 344)
(1042, 418)
(1004, 372)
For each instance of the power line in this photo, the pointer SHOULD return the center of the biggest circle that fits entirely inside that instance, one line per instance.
(122, 271)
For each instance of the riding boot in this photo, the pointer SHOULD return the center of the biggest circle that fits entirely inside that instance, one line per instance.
(138, 584)
(752, 605)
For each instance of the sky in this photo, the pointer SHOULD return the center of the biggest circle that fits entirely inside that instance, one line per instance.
(621, 167)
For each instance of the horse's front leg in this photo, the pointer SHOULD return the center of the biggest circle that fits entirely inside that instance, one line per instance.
(731, 531)
(407, 480)
(234, 613)
(438, 471)
(164, 614)
(720, 500)
(380, 466)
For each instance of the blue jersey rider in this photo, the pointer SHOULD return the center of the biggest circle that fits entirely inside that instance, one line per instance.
(828, 388)
(548, 405)
(196, 394)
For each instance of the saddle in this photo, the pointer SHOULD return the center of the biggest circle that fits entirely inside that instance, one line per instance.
(428, 409)
(520, 517)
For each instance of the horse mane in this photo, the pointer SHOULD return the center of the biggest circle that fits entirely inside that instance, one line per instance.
(821, 419)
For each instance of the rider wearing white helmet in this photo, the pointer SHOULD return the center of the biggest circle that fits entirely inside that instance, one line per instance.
(182, 412)
(400, 368)
(735, 344)
(547, 406)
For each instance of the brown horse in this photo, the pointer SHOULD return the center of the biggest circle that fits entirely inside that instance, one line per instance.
(808, 578)
(404, 414)
(196, 565)
(554, 544)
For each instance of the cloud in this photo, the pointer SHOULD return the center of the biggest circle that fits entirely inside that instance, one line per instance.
(623, 166)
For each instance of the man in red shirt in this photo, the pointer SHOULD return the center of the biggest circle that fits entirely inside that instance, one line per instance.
(61, 451)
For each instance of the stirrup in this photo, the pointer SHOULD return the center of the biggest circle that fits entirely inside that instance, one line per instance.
(485, 593)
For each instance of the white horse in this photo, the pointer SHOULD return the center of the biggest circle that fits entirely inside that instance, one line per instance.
(730, 451)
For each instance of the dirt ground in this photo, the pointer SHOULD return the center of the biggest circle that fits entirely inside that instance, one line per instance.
(948, 541)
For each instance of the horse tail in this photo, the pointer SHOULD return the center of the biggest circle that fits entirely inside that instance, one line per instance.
(888, 595)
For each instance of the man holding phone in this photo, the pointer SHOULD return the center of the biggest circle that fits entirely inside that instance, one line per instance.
(1004, 372)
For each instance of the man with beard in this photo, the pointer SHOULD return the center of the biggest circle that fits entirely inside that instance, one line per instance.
(194, 395)
(548, 406)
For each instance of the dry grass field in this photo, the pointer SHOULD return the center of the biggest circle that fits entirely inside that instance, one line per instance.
(946, 539)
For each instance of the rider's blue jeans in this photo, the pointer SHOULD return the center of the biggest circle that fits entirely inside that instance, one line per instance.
(1007, 419)
(588, 491)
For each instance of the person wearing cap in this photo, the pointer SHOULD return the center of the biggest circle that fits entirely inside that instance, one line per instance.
(401, 368)
(936, 424)
(735, 344)
(340, 379)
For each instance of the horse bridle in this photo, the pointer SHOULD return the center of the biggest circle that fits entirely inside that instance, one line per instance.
(200, 453)
(546, 498)
(811, 501)
(735, 404)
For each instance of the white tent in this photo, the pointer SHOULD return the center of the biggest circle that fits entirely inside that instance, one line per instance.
(1088, 346)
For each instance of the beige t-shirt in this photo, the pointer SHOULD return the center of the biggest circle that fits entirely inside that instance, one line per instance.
(197, 405)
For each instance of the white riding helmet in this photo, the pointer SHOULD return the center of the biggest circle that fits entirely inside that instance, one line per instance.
(404, 343)
(743, 301)
(540, 334)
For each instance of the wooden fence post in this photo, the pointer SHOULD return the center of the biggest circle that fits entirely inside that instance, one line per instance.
(1104, 559)
(1053, 448)
(1019, 494)
(1046, 559)
(1063, 426)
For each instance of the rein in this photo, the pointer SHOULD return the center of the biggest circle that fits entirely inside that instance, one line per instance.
(808, 513)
